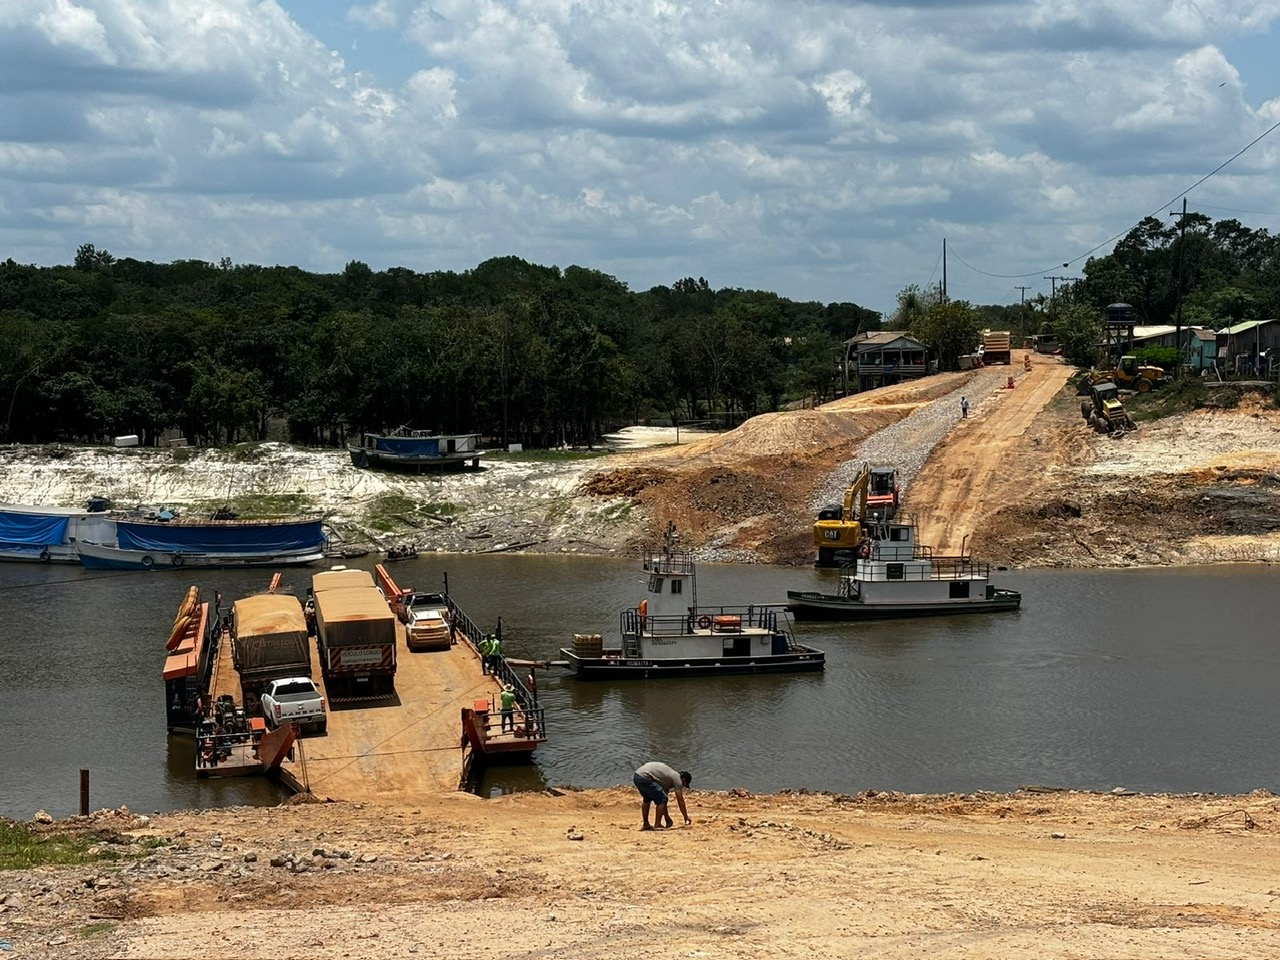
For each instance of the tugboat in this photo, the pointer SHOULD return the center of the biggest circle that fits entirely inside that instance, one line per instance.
(894, 576)
(669, 635)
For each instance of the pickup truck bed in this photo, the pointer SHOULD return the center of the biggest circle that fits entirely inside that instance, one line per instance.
(294, 700)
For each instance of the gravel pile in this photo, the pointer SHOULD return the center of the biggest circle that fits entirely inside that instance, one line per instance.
(906, 445)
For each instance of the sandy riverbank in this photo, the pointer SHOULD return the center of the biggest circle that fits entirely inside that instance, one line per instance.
(1024, 876)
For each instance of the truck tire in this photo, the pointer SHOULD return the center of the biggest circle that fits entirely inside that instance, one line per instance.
(1144, 385)
(1086, 409)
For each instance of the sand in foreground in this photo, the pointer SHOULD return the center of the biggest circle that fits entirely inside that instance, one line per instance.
(1027, 875)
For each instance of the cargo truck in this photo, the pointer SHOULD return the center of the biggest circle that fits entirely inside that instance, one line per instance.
(355, 632)
(997, 347)
(269, 642)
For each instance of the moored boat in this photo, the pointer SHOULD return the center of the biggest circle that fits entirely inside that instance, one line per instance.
(41, 534)
(417, 449)
(151, 545)
(894, 576)
(669, 635)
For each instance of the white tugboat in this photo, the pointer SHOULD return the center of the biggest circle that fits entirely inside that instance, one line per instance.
(669, 634)
(894, 576)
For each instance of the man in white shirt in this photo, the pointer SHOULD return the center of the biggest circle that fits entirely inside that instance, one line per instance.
(654, 780)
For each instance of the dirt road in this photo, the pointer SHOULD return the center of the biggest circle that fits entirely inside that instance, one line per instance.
(954, 491)
(1025, 876)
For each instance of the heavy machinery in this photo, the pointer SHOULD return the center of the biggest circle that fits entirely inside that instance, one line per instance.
(840, 527)
(1104, 411)
(1128, 373)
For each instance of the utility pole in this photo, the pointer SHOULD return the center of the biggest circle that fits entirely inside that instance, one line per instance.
(1177, 323)
(1053, 295)
(1022, 306)
(944, 269)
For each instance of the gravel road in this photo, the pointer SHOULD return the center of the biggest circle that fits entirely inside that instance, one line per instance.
(906, 445)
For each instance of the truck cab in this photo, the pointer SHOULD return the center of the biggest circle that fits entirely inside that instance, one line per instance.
(427, 621)
(294, 700)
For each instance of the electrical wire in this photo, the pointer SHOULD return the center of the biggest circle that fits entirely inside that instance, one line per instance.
(1178, 196)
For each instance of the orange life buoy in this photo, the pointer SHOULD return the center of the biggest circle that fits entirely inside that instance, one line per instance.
(864, 551)
(704, 622)
(644, 613)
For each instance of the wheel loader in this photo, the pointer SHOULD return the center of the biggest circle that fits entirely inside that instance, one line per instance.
(1103, 410)
(1128, 373)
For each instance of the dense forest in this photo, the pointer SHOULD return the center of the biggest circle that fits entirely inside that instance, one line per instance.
(515, 351)
(512, 350)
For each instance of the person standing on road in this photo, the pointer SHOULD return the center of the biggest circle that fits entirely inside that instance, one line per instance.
(964, 407)
(654, 780)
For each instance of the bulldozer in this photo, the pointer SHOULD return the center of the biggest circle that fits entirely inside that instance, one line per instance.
(1128, 373)
(1103, 410)
(841, 527)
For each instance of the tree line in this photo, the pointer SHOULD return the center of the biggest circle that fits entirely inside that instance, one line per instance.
(515, 351)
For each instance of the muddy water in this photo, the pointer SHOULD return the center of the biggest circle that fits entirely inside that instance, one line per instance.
(1152, 680)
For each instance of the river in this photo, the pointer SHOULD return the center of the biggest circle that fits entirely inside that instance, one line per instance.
(1155, 680)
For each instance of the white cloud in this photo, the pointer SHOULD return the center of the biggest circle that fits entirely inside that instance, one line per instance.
(821, 150)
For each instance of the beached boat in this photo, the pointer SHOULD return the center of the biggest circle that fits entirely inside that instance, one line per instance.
(894, 576)
(50, 534)
(152, 545)
(669, 635)
(417, 450)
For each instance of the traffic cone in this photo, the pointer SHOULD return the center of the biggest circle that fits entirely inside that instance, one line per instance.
(1011, 383)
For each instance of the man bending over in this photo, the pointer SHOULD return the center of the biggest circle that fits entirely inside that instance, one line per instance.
(654, 780)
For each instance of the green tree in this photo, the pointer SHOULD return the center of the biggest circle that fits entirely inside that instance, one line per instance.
(950, 329)
(1079, 331)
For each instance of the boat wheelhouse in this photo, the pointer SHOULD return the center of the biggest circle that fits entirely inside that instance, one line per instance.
(417, 449)
(894, 576)
(670, 634)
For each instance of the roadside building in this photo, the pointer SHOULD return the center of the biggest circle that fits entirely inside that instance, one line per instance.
(1249, 349)
(880, 358)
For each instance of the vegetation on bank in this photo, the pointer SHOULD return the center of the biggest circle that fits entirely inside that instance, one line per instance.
(22, 847)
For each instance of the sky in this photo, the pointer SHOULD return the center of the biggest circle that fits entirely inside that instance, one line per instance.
(821, 150)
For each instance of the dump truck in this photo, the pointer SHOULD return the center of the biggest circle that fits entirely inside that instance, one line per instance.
(355, 633)
(997, 347)
(1103, 411)
(268, 642)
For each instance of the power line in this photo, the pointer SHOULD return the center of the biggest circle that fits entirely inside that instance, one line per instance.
(1178, 196)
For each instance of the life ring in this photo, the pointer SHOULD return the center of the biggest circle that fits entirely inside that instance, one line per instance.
(44, 555)
(178, 560)
(147, 561)
(704, 622)
(864, 551)
(644, 613)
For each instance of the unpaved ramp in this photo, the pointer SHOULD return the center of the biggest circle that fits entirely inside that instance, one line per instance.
(950, 494)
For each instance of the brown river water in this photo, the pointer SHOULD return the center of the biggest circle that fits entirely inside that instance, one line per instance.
(1154, 680)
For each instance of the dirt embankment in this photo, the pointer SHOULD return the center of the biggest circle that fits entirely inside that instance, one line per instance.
(1017, 877)
(1023, 481)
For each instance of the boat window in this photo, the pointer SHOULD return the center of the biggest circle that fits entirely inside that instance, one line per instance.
(959, 589)
(677, 586)
(655, 584)
(893, 571)
(899, 533)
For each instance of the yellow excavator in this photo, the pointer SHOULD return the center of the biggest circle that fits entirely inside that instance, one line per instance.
(840, 527)
(1128, 373)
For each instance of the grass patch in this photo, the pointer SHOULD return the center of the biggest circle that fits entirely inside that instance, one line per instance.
(1177, 397)
(547, 456)
(20, 848)
(617, 512)
(155, 843)
(93, 929)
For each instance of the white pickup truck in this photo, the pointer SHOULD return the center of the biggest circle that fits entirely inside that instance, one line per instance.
(294, 700)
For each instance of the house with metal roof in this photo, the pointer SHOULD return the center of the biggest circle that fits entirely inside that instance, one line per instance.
(879, 358)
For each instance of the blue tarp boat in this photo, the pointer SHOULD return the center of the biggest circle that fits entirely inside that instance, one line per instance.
(149, 545)
(416, 449)
(49, 534)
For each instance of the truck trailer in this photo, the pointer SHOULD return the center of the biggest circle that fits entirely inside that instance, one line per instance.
(269, 642)
(997, 347)
(355, 633)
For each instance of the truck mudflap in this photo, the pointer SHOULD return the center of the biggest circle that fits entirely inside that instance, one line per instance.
(366, 660)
